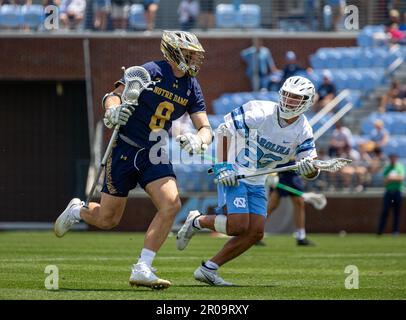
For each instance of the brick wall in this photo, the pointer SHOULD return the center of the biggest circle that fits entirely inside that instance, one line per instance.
(62, 59)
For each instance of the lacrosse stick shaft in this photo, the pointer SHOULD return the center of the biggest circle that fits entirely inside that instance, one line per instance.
(102, 165)
(290, 189)
(283, 169)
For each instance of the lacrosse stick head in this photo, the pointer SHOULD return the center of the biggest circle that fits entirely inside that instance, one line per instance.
(331, 165)
(318, 201)
(136, 80)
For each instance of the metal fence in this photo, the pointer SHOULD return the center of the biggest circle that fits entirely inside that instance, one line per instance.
(286, 15)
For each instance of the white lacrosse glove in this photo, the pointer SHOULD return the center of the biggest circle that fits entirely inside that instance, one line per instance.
(117, 115)
(191, 143)
(226, 174)
(306, 168)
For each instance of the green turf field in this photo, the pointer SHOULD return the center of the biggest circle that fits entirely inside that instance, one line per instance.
(97, 266)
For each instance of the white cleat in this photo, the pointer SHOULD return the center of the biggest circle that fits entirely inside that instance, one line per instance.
(210, 277)
(187, 231)
(66, 220)
(143, 276)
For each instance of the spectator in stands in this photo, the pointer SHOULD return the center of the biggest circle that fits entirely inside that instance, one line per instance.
(292, 67)
(392, 28)
(71, 13)
(325, 93)
(394, 174)
(337, 11)
(119, 13)
(150, 7)
(260, 65)
(355, 172)
(377, 160)
(188, 12)
(394, 34)
(102, 10)
(378, 137)
(394, 99)
(341, 137)
(394, 17)
(206, 14)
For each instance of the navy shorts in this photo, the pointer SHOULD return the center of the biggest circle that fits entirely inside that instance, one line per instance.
(290, 179)
(128, 166)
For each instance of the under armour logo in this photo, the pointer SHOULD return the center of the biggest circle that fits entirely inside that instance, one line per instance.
(240, 203)
(123, 157)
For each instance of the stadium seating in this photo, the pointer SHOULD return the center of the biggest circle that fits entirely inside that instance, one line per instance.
(136, 17)
(367, 37)
(32, 16)
(229, 101)
(355, 57)
(250, 16)
(10, 16)
(245, 16)
(394, 122)
(365, 79)
(226, 16)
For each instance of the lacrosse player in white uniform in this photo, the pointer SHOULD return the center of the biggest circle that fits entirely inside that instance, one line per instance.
(258, 136)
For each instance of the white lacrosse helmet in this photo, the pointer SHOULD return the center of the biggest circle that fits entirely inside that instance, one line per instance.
(295, 97)
(184, 49)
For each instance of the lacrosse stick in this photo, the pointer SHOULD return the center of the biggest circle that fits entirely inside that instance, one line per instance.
(331, 165)
(318, 201)
(136, 80)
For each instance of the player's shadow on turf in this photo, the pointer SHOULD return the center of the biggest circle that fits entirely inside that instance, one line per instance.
(234, 286)
(108, 290)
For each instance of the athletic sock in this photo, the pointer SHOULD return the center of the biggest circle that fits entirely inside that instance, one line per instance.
(211, 265)
(196, 223)
(300, 234)
(147, 256)
(76, 212)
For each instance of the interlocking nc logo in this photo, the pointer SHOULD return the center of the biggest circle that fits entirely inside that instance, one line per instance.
(240, 202)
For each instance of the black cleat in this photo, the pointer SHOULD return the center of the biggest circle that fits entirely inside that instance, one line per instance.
(304, 242)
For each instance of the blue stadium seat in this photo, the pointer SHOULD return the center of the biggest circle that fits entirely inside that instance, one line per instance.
(318, 61)
(215, 120)
(226, 16)
(249, 16)
(348, 59)
(396, 144)
(10, 16)
(136, 17)
(33, 15)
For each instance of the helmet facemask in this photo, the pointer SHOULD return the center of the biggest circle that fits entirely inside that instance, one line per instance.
(194, 60)
(292, 105)
(295, 97)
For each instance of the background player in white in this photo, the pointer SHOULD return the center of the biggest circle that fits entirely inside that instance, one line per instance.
(266, 135)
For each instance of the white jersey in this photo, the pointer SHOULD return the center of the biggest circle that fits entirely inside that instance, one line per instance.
(259, 141)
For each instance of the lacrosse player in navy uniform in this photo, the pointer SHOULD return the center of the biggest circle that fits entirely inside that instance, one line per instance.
(132, 161)
(291, 179)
